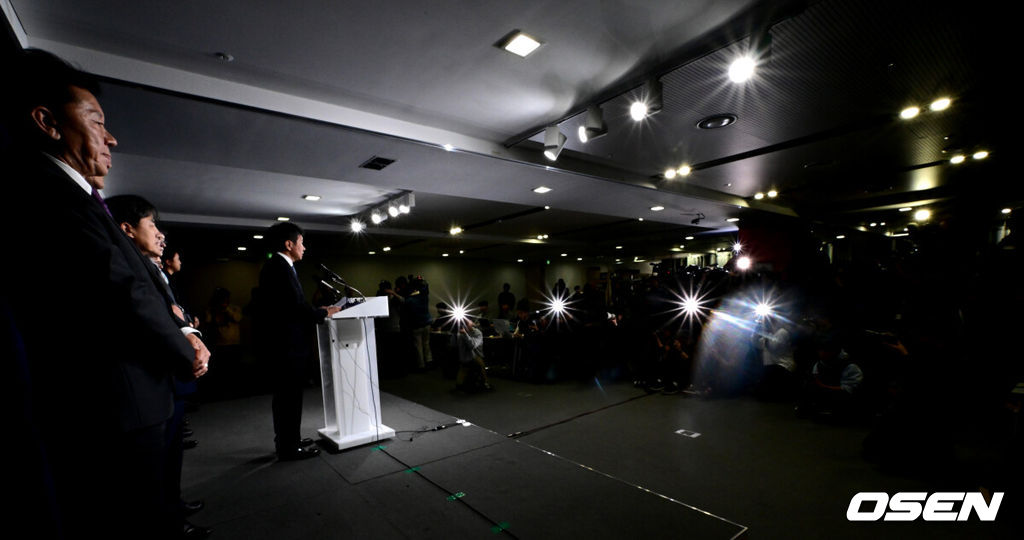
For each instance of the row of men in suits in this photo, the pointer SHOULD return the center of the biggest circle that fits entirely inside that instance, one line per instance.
(90, 337)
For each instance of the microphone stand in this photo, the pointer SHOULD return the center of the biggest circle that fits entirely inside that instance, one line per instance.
(337, 279)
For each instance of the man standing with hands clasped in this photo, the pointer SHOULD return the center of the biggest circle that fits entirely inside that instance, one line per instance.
(95, 345)
(286, 320)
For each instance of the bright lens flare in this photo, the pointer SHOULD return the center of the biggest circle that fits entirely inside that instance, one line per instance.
(690, 305)
(763, 310)
(558, 306)
(743, 263)
(638, 110)
(742, 69)
(458, 313)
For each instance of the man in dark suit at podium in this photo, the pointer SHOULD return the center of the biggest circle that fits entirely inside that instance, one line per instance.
(99, 339)
(285, 326)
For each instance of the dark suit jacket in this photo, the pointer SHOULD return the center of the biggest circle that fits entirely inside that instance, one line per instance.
(287, 319)
(99, 336)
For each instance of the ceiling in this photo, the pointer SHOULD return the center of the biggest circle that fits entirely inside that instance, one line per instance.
(316, 88)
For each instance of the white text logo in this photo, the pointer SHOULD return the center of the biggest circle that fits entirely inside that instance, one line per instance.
(906, 506)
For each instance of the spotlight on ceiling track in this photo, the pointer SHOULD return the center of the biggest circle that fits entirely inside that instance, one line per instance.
(759, 47)
(377, 217)
(554, 141)
(742, 69)
(357, 226)
(393, 210)
(650, 102)
(593, 127)
(909, 113)
(940, 104)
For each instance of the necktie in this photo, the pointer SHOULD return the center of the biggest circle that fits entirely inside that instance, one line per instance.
(99, 198)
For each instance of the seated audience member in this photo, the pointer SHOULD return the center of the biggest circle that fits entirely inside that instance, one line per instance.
(525, 323)
(834, 387)
(483, 322)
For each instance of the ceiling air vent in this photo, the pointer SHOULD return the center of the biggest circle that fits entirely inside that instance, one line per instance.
(377, 163)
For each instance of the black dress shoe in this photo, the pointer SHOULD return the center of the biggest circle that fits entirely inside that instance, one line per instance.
(194, 531)
(297, 454)
(191, 507)
(306, 442)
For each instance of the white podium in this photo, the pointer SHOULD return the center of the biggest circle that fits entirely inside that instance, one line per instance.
(348, 369)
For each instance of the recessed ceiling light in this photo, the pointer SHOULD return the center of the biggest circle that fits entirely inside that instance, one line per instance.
(579, 258)
(565, 254)
(541, 189)
(717, 121)
(940, 104)
(311, 197)
(618, 247)
(519, 260)
(922, 215)
(882, 224)
(906, 209)
(670, 173)
(689, 238)
(742, 69)
(444, 254)
(909, 113)
(684, 170)
(641, 219)
(1006, 210)
(873, 224)
(282, 218)
(520, 44)
(733, 219)
(461, 252)
(455, 230)
(980, 154)
(759, 196)
(682, 246)
(257, 237)
(656, 209)
(372, 253)
(957, 159)
(547, 207)
(772, 194)
(242, 248)
(386, 248)
(840, 237)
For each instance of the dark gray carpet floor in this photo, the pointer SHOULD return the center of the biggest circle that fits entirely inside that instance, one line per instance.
(586, 460)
